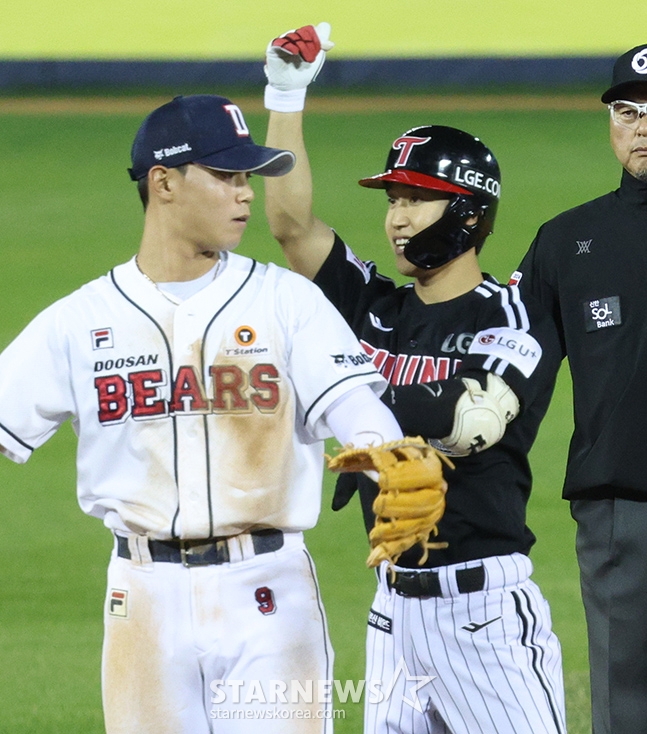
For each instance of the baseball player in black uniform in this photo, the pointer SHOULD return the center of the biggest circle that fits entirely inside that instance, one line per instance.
(588, 267)
(471, 367)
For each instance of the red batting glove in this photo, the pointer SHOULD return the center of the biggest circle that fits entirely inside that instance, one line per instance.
(303, 42)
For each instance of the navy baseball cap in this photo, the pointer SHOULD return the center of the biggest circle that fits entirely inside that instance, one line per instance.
(630, 69)
(205, 129)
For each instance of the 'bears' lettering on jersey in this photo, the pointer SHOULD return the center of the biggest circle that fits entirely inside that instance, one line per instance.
(140, 394)
(409, 369)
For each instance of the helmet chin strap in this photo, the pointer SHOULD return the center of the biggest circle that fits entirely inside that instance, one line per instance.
(446, 239)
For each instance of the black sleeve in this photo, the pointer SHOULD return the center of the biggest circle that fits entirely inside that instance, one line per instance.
(538, 280)
(510, 327)
(426, 409)
(351, 284)
(517, 340)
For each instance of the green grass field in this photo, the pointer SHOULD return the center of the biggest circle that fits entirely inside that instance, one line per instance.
(68, 213)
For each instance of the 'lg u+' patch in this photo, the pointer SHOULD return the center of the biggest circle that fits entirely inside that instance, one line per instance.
(602, 313)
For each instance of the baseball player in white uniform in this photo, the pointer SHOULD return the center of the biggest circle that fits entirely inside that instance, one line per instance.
(200, 384)
(460, 636)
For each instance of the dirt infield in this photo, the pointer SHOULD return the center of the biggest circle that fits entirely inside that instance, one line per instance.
(325, 105)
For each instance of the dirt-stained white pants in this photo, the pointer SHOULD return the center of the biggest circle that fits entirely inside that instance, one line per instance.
(235, 648)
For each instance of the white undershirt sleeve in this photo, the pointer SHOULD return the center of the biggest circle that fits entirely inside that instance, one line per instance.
(361, 418)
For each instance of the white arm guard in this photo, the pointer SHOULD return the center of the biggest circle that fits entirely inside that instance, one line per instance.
(480, 417)
(360, 418)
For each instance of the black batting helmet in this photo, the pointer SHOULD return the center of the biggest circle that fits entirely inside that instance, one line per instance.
(450, 160)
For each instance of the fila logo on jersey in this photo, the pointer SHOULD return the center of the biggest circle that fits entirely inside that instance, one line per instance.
(265, 599)
(601, 313)
(102, 338)
(118, 603)
(380, 622)
(140, 394)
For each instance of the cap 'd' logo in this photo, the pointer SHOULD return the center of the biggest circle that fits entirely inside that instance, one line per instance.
(237, 118)
(639, 62)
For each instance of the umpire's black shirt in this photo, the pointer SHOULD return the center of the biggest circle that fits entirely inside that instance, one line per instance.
(588, 266)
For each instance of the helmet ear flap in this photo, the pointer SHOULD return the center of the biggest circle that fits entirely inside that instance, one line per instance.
(465, 208)
(451, 236)
(479, 229)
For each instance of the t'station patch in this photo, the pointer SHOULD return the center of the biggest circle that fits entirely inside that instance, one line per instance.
(245, 336)
(602, 313)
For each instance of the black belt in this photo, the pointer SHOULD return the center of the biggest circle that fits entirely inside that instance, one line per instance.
(204, 552)
(426, 583)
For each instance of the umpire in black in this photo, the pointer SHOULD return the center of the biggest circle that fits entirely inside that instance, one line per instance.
(589, 268)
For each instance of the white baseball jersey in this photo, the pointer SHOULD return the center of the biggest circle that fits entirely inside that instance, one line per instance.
(194, 420)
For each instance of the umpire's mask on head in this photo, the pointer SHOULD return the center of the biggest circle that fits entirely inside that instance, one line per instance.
(450, 160)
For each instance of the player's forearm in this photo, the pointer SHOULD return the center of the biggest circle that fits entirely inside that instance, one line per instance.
(426, 410)
(288, 199)
(306, 240)
(466, 414)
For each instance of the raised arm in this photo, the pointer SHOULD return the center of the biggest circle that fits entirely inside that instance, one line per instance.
(293, 61)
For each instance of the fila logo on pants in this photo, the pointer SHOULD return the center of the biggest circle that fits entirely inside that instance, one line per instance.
(118, 603)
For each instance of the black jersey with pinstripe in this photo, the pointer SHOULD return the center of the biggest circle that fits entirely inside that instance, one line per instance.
(422, 349)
